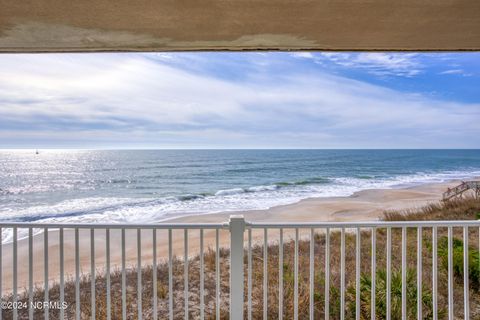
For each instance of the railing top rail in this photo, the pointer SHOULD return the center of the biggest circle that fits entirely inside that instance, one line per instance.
(114, 225)
(366, 224)
(255, 225)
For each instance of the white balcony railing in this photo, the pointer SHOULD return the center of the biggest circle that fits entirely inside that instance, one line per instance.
(332, 256)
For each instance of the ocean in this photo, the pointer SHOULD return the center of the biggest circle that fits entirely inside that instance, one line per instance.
(155, 185)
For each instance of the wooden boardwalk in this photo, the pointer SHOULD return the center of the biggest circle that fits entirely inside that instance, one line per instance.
(459, 190)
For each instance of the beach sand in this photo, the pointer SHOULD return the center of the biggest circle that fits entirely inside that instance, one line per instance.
(366, 205)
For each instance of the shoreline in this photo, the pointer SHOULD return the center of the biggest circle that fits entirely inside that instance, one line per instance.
(361, 206)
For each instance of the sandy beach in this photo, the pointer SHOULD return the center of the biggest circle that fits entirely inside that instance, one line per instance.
(362, 206)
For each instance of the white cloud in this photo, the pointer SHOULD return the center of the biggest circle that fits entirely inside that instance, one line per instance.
(303, 54)
(379, 63)
(457, 72)
(130, 100)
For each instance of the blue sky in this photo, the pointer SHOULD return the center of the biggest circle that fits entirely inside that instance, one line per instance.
(240, 100)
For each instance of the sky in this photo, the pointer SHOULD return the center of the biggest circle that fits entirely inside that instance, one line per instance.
(240, 100)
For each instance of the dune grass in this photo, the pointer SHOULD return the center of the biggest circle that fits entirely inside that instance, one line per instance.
(464, 209)
(455, 209)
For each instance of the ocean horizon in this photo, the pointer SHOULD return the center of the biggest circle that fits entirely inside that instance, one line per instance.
(131, 186)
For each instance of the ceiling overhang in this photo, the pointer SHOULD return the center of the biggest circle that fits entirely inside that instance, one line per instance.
(173, 25)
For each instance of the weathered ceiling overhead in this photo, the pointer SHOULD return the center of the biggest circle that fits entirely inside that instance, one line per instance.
(165, 25)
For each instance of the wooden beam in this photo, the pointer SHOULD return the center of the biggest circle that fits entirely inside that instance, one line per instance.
(166, 25)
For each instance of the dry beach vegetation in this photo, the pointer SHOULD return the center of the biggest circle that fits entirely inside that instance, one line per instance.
(463, 209)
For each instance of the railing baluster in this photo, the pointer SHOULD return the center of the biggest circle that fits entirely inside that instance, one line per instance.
(170, 275)
(374, 274)
(312, 271)
(237, 232)
(202, 284)
(280, 276)
(139, 275)
(295, 281)
(327, 273)
(15, 295)
(450, 273)
(404, 273)
(265, 274)
(107, 253)
(389, 271)
(419, 273)
(124, 279)
(45, 268)
(77, 275)
(342, 274)
(249, 275)
(62, 280)
(217, 274)
(434, 272)
(185, 273)
(154, 274)
(466, 274)
(92, 272)
(30, 273)
(357, 276)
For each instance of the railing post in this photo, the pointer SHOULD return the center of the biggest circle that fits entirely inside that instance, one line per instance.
(237, 229)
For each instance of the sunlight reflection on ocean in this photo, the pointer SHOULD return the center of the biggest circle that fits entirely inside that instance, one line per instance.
(154, 185)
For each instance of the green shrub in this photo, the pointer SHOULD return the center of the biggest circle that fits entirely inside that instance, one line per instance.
(473, 261)
(396, 297)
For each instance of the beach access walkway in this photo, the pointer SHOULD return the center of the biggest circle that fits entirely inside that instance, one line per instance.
(459, 190)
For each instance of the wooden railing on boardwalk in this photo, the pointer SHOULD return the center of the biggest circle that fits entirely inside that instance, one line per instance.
(459, 190)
